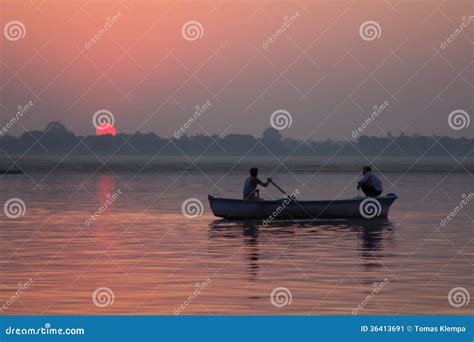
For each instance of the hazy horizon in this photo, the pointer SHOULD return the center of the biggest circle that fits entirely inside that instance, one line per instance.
(318, 67)
(44, 129)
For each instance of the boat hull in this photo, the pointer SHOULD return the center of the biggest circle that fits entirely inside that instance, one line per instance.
(284, 209)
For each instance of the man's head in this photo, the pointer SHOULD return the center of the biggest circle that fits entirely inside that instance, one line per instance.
(254, 172)
(366, 169)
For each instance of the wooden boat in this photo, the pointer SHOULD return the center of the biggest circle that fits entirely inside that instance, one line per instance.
(284, 209)
(11, 172)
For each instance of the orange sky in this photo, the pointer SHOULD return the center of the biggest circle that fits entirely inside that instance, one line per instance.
(319, 70)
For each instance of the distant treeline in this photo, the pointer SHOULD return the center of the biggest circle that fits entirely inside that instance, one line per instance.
(57, 140)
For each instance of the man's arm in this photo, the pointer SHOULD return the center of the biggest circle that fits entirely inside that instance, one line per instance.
(363, 180)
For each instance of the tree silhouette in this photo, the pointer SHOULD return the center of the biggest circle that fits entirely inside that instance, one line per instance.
(56, 139)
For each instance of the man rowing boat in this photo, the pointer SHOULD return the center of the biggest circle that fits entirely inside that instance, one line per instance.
(250, 187)
(370, 184)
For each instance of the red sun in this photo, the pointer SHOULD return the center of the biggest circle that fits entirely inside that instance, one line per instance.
(105, 129)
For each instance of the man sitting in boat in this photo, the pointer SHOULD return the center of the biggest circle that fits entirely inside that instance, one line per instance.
(250, 187)
(370, 184)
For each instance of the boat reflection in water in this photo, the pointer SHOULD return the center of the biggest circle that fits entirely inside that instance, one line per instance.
(319, 241)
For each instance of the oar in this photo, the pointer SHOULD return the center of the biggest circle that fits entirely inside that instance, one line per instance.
(294, 200)
(281, 190)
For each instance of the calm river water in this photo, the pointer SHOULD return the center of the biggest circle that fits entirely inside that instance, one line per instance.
(141, 255)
